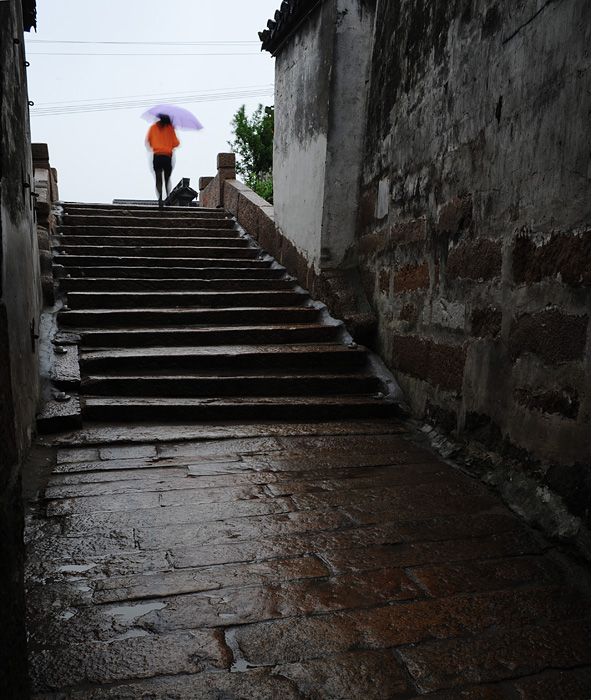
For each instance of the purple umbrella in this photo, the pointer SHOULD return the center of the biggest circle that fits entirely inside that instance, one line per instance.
(180, 117)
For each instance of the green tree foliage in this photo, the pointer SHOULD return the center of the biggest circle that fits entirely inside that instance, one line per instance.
(254, 147)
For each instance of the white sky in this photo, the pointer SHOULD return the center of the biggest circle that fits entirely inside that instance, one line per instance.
(100, 155)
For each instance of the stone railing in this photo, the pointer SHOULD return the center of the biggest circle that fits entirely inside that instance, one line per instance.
(337, 288)
(46, 193)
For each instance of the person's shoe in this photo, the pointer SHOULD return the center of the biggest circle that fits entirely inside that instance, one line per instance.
(160, 203)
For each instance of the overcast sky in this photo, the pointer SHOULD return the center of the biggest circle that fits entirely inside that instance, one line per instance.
(132, 54)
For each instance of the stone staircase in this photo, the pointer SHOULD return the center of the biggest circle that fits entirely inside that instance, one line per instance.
(177, 315)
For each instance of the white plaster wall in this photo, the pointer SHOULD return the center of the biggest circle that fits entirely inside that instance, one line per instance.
(301, 125)
(298, 195)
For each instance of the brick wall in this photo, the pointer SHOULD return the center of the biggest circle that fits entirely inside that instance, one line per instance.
(475, 226)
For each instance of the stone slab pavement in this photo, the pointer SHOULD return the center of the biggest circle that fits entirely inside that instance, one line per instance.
(322, 561)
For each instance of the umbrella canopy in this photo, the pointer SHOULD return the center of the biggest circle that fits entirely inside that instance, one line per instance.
(180, 117)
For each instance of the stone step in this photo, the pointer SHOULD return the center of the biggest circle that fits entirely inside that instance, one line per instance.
(134, 220)
(158, 252)
(166, 317)
(208, 336)
(221, 270)
(164, 409)
(93, 210)
(78, 261)
(234, 358)
(155, 231)
(190, 299)
(188, 240)
(109, 284)
(217, 386)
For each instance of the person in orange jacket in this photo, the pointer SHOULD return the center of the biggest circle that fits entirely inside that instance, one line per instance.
(162, 139)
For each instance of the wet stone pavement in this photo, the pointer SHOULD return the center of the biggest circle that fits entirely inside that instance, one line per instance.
(328, 561)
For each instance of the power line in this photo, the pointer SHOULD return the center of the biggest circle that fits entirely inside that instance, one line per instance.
(143, 43)
(159, 96)
(153, 55)
(82, 108)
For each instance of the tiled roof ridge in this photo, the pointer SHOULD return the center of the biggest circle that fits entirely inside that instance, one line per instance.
(287, 18)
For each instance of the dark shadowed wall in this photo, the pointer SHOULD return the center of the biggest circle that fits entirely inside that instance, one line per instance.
(20, 306)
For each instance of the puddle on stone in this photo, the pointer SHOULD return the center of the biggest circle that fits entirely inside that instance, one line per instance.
(76, 568)
(132, 612)
(240, 664)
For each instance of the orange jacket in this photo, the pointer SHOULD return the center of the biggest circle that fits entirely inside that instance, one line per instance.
(162, 140)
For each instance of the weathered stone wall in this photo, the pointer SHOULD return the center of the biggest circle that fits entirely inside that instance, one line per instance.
(472, 218)
(475, 225)
(20, 306)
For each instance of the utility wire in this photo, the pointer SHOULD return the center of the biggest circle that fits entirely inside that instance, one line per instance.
(158, 96)
(153, 55)
(143, 43)
(55, 110)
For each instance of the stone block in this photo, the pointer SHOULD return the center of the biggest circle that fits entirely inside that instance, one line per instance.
(43, 199)
(48, 290)
(226, 174)
(438, 364)
(269, 236)
(231, 196)
(204, 182)
(494, 658)
(411, 232)
(40, 151)
(89, 662)
(46, 262)
(65, 371)
(227, 160)
(486, 322)
(563, 257)
(571, 683)
(248, 215)
(409, 313)
(487, 574)
(564, 402)
(448, 314)
(43, 238)
(455, 216)
(481, 260)
(210, 196)
(552, 335)
(410, 278)
(372, 244)
(369, 674)
(60, 415)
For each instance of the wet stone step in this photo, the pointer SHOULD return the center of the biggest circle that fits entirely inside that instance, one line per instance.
(255, 271)
(77, 261)
(158, 252)
(252, 357)
(264, 408)
(108, 284)
(162, 231)
(189, 240)
(166, 299)
(74, 209)
(133, 221)
(278, 384)
(130, 318)
(184, 337)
